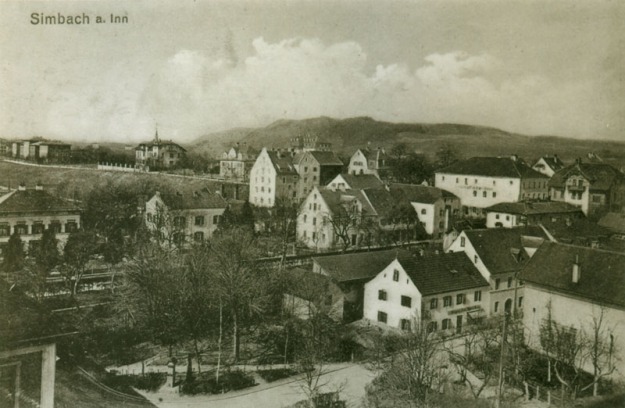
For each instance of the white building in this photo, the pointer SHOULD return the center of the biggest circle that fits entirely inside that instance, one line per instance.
(354, 182)
(368, 161)
(272, 176)
(445, 290)
(237, 162)
(508, 215)
(481, 182)
(548, 165)
(500, 254)
(577, 284)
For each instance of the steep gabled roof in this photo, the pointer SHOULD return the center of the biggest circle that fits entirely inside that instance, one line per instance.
(553, 162)
(34, 201)
(202, 199)
(419, 194)
(602, 272)
(362, 181)
(361, 266)
(538, 207)
(600, 175)
(442, 273)
(492, 167)
(576, 230)
(282, 164)
(495, 247)
(326, 158)
(374, 154)
(336, 199)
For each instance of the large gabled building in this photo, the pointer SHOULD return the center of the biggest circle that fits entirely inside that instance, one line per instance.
(575, 287)
(481, 182)
(158, 154)
(508, 215)
(273, 176)
(548, 165)
(368, 161)
(237, 162)
(315, 168)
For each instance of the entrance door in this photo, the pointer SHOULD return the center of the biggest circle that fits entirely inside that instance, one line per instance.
(508, 306)
(458, 323)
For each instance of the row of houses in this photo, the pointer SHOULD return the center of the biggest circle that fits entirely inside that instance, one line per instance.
(485, 273)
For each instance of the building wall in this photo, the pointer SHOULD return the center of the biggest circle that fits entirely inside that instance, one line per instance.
(358, 164)
(311, 229)
(534, 189)
(309, 174)
(501, 219)
(28, 220)
(428, 215)
(576, 191)
(536, 311)
(542, 167)
(439, 312)
(480, 191)
(263, 181)
(394, 291)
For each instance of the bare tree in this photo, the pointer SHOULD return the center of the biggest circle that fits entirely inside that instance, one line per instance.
(345, 222)
(601, 351)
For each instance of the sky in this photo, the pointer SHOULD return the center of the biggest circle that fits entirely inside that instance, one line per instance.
(196, 67)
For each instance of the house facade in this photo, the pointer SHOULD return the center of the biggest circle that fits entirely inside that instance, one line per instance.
(508, 215)
(40, 150)
(548, 165)
(499, 255)
(237, 162)
(368, 161)
(589, 186)
(560, 279)
(29, 212)
(445, 290)
(315, 168)
(481, 182)
(158, 154)
(184, 217)
(273, 176)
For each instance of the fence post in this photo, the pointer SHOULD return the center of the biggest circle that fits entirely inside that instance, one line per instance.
(527, 388)
(549, 397)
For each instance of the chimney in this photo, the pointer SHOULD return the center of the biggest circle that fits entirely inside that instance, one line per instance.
(21, 187)
(39, 186)
(577, 270)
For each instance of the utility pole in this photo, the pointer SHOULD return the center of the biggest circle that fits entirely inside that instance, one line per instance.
(503, 344)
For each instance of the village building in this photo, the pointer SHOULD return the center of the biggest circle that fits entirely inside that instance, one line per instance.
(237, 162)
(29, 212)
(446, 291)
(500, 254)
(368, 161)
(481, 182)
(309, 293)
(309, 143)
(573, 287)
(435, 208)
(548, 165)
(508, 215)
(158, 154)
(41, 150)
(273, 176)
(350, 272)
(578, 231)
(315, 168)
(184, 217)
(347, 181)
(587, 185)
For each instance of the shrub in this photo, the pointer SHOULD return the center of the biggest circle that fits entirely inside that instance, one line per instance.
(276, 374)
(228, 381)
(124, 383)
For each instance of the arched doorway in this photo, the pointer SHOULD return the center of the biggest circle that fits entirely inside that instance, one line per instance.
(508, 306)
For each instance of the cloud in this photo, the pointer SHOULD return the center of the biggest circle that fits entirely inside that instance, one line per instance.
(192, 92)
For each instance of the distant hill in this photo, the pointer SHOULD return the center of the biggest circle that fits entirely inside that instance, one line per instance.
(346, 135)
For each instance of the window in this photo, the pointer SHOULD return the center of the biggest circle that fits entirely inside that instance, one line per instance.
(396, 275)
(447, 301)
(456, 180)
(466, 181)
(497, 282)
(475, 259)
(507, 218)
(314, 220)
(405, 324)
(70, 226)
(521, 282)
(382, 317)
(510, 282)
(382, 295)
(328, 300)
(432, 327)
(198, 236)
(314, 236)
(484, 194)
(179, 221)
(406, 301)
(446, 324)
(434, 303)
(494, 194)
(55, 226)
(496, 307)
(305, 217)
(477, 296)
(149, 217)
(199, 220)
(474, 193)
(5, 230)
(496, 216)
(460, 299)
(37, 228)
(520, 301)
(462, 242)
(216, 219)
(423, 211)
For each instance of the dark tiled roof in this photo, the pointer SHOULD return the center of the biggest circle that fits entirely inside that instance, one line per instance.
(359, 266)
(362, 181)
(492, 167)
(601, 176)
(537, 207)
(553, 162)
(374, 154)
(326, 158)
(159, 143)
(34, 201)
(382, 201)
(335, 200)
(282, 164)
(602, 272)
(420, 194)
(193, 200)
(575, 230)
(442, 273)
(614, 222)
(495, 246)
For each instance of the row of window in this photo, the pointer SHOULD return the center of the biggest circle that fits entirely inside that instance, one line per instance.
(181, 221)
(510, 282)
(460, 300)
(314, 219)
(38, 228)
(484, 193)
(508, 304)
(406, 301)
(466, 181)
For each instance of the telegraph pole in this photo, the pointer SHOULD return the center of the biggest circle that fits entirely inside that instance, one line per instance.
(501, 358)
